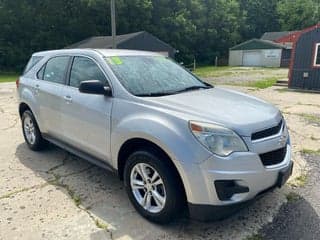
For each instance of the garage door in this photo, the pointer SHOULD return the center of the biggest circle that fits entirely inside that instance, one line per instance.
(252, 58)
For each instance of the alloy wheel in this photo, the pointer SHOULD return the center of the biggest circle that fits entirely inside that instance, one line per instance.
(147, 187)
(29, 130)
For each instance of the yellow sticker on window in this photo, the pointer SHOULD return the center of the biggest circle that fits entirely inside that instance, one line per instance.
(116, 60)
(161, 58)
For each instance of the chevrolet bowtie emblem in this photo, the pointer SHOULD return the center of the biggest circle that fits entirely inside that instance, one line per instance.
(282, 140)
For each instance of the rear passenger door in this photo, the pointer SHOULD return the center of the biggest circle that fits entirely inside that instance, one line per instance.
(86, 117)
(52, 78)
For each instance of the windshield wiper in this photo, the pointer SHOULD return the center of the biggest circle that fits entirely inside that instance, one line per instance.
(193, 88)
(154, 94)
(159, 94)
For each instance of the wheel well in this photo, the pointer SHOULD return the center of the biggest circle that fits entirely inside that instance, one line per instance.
(135, 144)
(22, 108)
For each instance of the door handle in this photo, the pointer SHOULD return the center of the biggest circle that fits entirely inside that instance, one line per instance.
(36, 88)
(68, 99)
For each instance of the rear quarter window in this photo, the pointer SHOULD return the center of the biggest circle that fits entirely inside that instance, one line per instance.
(41, 72)
(32, 62)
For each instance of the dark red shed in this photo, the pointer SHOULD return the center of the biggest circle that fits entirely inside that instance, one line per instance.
(287, 39)
(305, 61)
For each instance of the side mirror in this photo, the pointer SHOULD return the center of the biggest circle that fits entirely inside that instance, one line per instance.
(94, 87)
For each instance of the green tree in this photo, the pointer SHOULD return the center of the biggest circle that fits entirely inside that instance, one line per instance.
(202, 29)
(218, 28)
(260, 16)
(298, 14)
(133, 15)
(171, 21)
(28, 26)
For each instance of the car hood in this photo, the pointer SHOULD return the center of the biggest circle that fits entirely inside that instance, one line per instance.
(243, 113)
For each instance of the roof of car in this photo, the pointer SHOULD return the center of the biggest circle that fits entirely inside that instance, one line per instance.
(104, 52)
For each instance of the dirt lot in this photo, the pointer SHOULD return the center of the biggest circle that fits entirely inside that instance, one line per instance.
(54, 195)
(240, 75)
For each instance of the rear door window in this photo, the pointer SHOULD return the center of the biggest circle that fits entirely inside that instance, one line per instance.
(55, 69)
(84, 69)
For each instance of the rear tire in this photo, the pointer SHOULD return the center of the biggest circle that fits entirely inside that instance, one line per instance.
(157, 195)
(31, 132)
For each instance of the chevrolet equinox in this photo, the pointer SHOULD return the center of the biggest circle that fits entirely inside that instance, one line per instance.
(176, 141)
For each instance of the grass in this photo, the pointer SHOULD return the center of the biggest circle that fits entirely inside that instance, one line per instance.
(311, 118)
(254, 237)
(100, 224)
(76, 200)
(8, 77)
(254, 77)
(300, 181)
(261, 84)
(310, 151)
(269, 82)
(293, 197)
(211, 71)
(8, 195)
(56, 182)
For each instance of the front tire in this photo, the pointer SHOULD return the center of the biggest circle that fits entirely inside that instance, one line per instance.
(152, 186)
(31, 132)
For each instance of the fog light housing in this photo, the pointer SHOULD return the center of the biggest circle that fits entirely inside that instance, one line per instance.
(227, 188)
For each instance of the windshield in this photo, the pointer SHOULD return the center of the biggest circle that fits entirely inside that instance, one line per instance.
(153, 75)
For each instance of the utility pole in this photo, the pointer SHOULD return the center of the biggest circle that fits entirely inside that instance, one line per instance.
(113, 24)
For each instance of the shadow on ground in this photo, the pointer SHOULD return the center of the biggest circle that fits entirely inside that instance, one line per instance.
(295, 220)
(101, 194)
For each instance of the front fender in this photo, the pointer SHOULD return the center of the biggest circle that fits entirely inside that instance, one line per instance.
(173, 137)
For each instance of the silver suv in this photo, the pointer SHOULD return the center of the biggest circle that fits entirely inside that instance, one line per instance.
(176, 141)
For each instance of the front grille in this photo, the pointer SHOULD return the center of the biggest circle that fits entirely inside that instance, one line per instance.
(274, 157)
(267, 132)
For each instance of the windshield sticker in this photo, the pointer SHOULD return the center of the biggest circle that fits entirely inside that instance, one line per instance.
(161, 58)
(115, 61)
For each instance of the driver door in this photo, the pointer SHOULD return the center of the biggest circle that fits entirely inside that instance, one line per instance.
(86, 117)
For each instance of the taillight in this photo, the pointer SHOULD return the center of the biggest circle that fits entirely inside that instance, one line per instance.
(17, 82)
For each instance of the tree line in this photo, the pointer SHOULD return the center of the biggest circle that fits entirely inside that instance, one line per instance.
(201, 29)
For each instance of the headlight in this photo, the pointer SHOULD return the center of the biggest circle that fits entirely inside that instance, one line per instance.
(219, 140)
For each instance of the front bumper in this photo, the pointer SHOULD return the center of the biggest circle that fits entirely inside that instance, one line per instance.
(244, 169)
(204, 212)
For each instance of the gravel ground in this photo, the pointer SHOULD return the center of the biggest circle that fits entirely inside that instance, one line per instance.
(240, 75)
(299, 218)
(55, 195)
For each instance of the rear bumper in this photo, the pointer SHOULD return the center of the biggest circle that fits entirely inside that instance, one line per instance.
(205, 212)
